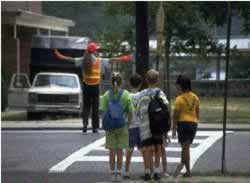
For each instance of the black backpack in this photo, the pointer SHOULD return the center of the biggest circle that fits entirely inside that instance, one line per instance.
(159, 116)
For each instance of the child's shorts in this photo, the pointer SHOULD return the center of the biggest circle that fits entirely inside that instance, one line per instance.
(134, 138)
(117, 138)
(186, 132)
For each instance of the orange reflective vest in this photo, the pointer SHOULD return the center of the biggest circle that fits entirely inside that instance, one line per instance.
(92, 72)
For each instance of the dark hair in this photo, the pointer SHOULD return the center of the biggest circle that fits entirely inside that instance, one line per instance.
(135, 80)
(116, 77)
(184, 82)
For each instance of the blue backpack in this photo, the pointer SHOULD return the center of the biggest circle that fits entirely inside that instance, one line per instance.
(113, 117)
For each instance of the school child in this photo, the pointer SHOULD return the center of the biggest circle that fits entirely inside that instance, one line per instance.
(151, 144)
(134, 131)
(186, 117)
(116, 138)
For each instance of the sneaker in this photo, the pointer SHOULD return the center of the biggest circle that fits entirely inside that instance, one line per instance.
(178, 169)
(95, 131)
(165, 175)
(126, 175)
(84, 129)
(157, 176)
(147, 177)
(188, 174)
(118, 177)
(113, 177)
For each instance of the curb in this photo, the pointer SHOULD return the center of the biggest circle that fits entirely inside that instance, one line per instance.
(80, 128)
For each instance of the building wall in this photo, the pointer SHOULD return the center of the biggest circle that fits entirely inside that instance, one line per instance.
(34, 6)
(24, 34)
(9, 49)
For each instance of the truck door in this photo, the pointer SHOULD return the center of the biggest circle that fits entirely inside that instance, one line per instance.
(18, 91)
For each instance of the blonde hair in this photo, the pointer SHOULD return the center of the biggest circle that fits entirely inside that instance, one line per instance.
(152, 77)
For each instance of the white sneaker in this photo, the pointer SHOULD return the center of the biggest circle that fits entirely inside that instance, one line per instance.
(118, 177)
(165, 175)
(113, 177)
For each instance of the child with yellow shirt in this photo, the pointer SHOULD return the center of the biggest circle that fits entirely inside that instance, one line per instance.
(186, 117)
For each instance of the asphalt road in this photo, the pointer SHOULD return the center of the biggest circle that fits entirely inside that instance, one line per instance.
(70, 156)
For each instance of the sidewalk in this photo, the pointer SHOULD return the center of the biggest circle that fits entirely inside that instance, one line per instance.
(76, 124)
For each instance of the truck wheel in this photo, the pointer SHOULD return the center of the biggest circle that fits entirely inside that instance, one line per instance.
(33, 116)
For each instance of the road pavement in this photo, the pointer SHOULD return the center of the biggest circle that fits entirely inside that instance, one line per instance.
(70, 156)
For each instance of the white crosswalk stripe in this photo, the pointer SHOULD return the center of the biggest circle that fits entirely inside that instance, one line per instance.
(203, 141)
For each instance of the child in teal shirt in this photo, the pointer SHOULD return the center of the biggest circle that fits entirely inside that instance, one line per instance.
(117, 139)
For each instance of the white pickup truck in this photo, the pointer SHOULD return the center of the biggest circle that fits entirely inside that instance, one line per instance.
(50, 93)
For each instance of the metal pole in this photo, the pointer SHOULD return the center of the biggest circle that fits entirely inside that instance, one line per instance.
(229, 20)
(17, 54)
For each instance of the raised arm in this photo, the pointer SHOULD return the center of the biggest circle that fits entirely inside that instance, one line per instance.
(59, 56)
(125, 58)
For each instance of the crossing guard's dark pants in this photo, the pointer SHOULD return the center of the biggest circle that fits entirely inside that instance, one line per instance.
(91, 103)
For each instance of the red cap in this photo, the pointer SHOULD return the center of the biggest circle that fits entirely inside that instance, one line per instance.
(92, 47)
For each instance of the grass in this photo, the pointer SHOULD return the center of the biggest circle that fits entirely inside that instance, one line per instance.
(14, 116)
(212, 109)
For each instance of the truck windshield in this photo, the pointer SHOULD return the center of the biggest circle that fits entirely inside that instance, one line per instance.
(58, 80)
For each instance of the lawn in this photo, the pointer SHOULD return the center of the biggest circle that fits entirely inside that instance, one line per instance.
(211, 110)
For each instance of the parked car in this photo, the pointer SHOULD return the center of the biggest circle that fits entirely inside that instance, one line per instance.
(50, 93)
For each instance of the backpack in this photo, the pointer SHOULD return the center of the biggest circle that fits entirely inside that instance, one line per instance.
(113, 117)
(159, 116)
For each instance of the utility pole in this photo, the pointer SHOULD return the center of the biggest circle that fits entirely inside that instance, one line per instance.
(229, 21)
(142, 38)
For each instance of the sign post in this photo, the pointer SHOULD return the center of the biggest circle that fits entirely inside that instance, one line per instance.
(229, 21)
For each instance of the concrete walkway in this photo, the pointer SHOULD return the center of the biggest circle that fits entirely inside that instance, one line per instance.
(76, 124)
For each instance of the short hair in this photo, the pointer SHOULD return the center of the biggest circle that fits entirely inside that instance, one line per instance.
(184, 82)
(152, 77)
(116, 77)
(135, 80)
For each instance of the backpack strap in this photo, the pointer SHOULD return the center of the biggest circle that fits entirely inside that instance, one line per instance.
(111, 95)
(157, 94)
(120, 92)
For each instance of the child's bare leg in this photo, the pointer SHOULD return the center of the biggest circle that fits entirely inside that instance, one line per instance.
(112, 154)
(164, 158)
(186, 157)
(148, 159)
(151, 159)
(157, 156)
(119, 159)
(128, 158)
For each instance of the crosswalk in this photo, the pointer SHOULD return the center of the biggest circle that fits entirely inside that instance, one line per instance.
(96, 152)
